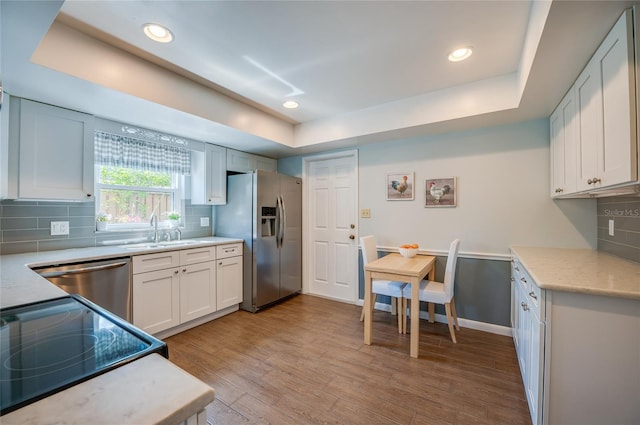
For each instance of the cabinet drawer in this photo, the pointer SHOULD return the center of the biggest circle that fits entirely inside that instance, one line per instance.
(157, 261)
(230, 250)
(197, 255)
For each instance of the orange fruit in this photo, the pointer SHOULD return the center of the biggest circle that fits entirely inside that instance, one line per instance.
(415, 245)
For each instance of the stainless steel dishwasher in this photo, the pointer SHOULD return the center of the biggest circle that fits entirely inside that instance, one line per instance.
(106, 282)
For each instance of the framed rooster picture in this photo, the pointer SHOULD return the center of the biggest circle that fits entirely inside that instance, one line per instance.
(400, 187)
(441, 192)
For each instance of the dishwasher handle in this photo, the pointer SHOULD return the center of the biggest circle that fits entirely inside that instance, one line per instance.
(83, 270)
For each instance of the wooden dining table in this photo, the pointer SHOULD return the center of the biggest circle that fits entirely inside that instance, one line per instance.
(398, 268)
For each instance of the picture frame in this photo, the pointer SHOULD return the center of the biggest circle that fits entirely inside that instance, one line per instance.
(400, 187)
(441, 192)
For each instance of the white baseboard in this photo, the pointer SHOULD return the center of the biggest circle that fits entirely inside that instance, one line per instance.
(464, 323)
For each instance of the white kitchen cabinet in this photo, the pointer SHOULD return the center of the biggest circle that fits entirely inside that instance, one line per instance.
(578, 353)
(156, 300)
(605, 97)
(197, 283)
(229, 275)
(171, 288)
(54, 150)
(528, 334)
(593, 130)
(244, 162)
(563, 146)
(209, 176)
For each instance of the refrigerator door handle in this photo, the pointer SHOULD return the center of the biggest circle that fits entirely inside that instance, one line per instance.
(283, 220)
(278, 221)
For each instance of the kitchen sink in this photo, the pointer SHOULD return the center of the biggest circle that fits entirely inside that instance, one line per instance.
(165, 244)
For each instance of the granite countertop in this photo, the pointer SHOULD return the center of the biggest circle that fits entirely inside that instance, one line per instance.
(151, 390)
(581, 270)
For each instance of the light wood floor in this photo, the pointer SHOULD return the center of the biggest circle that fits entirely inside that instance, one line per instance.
(304, 362)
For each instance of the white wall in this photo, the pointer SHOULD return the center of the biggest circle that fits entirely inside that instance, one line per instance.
(503, 192)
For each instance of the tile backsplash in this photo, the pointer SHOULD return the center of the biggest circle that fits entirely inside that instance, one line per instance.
(625, 213)
(25, 226)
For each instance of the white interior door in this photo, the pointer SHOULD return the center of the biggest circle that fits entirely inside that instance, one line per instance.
(331, 220)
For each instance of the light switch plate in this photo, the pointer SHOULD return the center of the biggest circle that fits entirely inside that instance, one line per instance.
(611, 229)
(204, 221)
(59, 228)
(365, 213)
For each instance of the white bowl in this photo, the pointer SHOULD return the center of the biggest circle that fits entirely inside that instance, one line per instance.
(408, 252)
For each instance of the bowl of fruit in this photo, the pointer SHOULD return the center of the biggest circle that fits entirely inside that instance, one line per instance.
(409, 250)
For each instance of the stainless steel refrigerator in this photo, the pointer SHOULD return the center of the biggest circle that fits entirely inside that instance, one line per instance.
(265, 210)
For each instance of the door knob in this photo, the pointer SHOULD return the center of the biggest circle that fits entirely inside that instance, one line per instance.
(352, 237)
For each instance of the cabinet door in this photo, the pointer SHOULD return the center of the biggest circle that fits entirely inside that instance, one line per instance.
(197, 290)
(56, 153)
(156, 300)
(563, 147)
(209, 176)
(606, 113)
(535, 366)
(229, 280)
(244, 162)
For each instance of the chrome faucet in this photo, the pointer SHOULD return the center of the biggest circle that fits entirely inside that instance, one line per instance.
(154, 223)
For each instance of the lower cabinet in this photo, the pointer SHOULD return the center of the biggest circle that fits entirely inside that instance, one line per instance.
(578, 353)
(175, 287)
(229, 275)
(528, 336)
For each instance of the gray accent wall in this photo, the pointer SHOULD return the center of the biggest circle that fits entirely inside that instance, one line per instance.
(25, 226)
(625, 213)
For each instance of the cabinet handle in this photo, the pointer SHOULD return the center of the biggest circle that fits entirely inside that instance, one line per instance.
(175, 271)
(533, 295)
(559, 190)
(524, 306)
(523, 279)
(89, 195)
(517, 269)
(596, 180)
(513, 280)
(184, 270)
(220, 263)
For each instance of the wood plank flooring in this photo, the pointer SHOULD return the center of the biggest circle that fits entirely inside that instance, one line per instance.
(304, 362)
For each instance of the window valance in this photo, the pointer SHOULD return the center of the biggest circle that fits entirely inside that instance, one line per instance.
(122, 151)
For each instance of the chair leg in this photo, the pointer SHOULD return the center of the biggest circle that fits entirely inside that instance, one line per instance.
(406, 310)
(394, 306)
(447, 308)
(453, 312)
(398, 305)
(432, 312)
(373, 302)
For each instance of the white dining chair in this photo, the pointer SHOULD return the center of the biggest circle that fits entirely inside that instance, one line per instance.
(383, 287)
(438, 293)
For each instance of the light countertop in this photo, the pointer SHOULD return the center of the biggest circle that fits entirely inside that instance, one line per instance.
(151, 390)
(581, 270)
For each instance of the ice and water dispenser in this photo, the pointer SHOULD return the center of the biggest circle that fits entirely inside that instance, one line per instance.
(268, 221)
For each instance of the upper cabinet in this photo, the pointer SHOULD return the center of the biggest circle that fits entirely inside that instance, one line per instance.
(209, 176)
(50, 153)
(604, 99)
(563, 146)
(243, 162)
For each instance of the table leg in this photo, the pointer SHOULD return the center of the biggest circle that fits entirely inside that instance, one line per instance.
(367, 308)
(415, 317)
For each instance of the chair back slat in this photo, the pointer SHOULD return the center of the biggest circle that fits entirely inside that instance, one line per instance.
(450, 269)
(369, 250)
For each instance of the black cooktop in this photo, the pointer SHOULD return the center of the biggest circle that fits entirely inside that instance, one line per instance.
(49, 346)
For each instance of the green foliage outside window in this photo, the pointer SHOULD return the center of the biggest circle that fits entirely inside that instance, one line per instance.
(130, 196)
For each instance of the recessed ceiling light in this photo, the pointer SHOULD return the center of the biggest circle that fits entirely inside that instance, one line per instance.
(460, 54)
(158, 33)
(290, 104)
